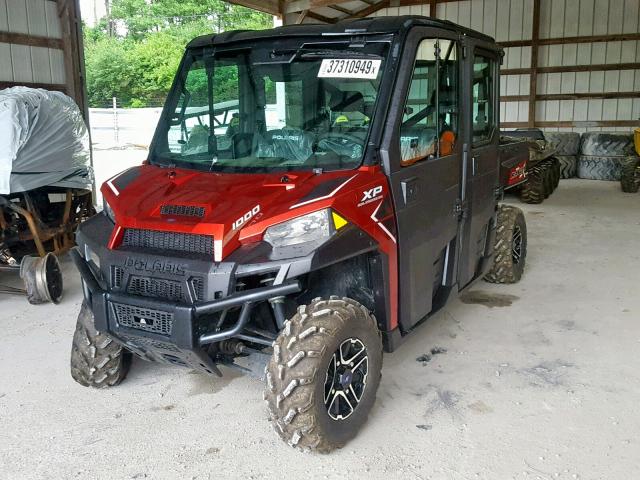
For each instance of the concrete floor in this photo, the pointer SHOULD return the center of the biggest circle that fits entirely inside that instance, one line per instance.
(540, 381)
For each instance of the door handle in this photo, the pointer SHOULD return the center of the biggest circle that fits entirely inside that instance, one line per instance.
(473, 166)
(409, 188)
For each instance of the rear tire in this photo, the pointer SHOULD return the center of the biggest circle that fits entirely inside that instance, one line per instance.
(555, 168)
(548, 179)
(630, 179)
(533, 189)
(96, 359)
(568, 166)
(510, 249)
(301, 393)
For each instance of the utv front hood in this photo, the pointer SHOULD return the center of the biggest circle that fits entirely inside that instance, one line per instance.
(213, 204)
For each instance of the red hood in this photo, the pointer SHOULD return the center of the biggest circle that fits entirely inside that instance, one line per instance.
(236, 206)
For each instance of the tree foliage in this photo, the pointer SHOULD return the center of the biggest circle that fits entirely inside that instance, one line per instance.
(134, 52)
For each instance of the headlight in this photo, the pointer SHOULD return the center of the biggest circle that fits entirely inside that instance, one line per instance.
(312, 227)
(108, 211)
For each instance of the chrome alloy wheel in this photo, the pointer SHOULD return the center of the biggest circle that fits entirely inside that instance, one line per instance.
(346, 379)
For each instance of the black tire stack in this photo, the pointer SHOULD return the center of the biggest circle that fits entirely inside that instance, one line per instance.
(567, 149)
(602, 155)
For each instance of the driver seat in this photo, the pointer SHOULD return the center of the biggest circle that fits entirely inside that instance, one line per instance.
(290, 143)
(347, 110)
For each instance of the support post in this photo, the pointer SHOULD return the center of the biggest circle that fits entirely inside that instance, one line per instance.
(115, 119)
(533, 79)
(433, 5)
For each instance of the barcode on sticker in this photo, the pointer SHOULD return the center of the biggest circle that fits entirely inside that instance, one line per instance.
(349, 68)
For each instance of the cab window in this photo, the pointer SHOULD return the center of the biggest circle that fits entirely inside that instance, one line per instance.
(199, 118)
(430, 120)
(483, 98)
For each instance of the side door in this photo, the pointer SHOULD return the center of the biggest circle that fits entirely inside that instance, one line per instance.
(482, 162)
(425, 169)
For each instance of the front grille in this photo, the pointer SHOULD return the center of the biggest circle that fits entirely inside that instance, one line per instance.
(155, 321)
(149, 343)
(182, 242)
(155, 287)
(183, 210)
(116, 276)
(198, 287)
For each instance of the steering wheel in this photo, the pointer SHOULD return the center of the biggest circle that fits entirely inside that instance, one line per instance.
(340, 143)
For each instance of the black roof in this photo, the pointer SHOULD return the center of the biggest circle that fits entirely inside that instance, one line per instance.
(360, 26)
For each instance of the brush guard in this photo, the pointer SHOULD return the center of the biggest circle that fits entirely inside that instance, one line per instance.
(167, 331)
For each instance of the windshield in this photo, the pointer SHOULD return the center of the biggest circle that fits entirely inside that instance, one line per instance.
(260, 110)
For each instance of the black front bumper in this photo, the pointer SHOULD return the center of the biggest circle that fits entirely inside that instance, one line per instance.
(165, 331)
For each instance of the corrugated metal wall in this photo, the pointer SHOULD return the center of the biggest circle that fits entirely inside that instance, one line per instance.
(509, 20)
(31, 64)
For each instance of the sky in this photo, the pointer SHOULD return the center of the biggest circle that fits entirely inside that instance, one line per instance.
(91, 11)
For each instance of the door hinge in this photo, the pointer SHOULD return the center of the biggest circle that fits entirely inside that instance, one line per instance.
(460, 209)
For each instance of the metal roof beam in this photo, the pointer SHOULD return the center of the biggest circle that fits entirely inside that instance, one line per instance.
(321, 18)
(271, 7)
(295, 6)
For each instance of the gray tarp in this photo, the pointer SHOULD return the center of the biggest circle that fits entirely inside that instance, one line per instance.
(43, 141)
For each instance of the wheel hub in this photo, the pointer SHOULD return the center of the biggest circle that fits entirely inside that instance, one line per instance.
(346, 379)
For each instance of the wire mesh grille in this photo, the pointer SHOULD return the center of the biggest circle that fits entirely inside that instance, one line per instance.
(156, 287)
(183, 210)
(183, 242)
(116, 276)
(155, 321)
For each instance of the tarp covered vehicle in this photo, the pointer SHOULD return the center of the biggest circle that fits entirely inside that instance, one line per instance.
(45, 185)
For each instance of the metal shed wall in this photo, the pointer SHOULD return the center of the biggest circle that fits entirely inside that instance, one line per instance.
(562, 98)
(41, 46)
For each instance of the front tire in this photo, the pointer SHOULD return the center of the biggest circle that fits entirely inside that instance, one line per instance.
(96, 359)
(322, 379)
(630, 180)
(510, 249)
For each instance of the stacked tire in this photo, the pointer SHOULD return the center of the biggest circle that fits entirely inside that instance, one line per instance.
(567, 146)
(603, 155)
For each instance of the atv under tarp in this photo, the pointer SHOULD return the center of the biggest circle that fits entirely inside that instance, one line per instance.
(43, 141)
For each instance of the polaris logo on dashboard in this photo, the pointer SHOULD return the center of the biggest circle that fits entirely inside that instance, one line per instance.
(370, 195)
(160, 266)
(246, 217)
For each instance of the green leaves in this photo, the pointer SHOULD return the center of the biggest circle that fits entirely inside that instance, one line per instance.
(138, 64)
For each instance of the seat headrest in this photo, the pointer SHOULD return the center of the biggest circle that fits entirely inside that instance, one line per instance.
(347, 101)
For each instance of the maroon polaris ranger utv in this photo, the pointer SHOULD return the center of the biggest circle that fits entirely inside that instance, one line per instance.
(312, 194)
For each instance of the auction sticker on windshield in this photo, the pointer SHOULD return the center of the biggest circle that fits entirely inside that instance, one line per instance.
(349, 68)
